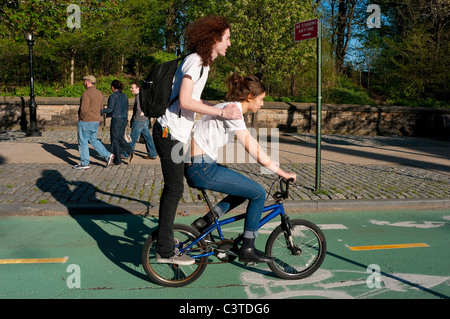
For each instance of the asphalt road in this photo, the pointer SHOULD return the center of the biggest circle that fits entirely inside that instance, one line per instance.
(70, 257)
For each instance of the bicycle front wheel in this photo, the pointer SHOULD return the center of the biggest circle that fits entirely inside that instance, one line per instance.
(301, 259)
(171, 275)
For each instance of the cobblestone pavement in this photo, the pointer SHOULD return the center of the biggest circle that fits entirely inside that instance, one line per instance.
(45, 184)
(69, 136)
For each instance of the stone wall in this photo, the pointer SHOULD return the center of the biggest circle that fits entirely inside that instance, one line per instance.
(300, 117)
(356, 119)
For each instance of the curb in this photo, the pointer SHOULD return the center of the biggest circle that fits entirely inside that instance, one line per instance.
(185, 209)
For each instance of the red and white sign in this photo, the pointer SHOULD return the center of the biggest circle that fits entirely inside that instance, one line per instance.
(306, 30)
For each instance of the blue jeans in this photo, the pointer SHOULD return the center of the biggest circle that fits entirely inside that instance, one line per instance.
(138, 128)
(207, 174)
(118, 143)
(87, 134)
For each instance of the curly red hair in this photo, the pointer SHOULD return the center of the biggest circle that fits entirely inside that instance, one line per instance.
(202, 34)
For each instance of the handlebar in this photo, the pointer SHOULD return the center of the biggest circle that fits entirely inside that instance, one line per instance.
(283, 193)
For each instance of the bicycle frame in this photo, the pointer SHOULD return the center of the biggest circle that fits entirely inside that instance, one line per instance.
(274, 211)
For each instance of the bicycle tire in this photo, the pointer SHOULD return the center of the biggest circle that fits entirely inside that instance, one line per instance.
(170, 275)
(311, 250)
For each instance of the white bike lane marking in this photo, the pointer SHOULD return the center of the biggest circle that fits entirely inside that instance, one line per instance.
(324, 284)
(260, 286)
(410, 224)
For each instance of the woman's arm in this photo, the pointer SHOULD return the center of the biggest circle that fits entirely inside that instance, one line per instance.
(111, 103)
(230, 112)
(252, 146)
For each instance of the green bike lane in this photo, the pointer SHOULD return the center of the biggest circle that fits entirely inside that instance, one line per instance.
(98, 256)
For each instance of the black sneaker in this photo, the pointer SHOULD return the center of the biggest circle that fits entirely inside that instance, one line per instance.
(252, 255)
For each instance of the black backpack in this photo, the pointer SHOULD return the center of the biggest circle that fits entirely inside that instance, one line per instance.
(154, 94)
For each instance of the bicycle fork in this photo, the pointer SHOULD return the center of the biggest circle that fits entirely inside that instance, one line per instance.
(287, 227)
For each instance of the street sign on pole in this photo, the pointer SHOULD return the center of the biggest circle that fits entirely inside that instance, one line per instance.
(304, 31)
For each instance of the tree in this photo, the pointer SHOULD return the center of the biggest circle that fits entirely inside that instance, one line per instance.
(48, 21)
(344, 16)
(413, 44)
(262, 36)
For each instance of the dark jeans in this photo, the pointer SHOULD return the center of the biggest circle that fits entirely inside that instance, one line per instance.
(118, 143)
(173, 175)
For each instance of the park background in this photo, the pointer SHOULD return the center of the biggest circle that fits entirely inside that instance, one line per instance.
(403, 62)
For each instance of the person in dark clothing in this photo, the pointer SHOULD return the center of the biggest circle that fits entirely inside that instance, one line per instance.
(140, 127)
(118, 111)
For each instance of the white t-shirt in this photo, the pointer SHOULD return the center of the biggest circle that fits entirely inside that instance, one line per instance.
(181, 126)
(211, 132)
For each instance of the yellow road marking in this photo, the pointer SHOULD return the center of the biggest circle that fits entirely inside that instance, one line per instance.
(373, 247)
(33, 260)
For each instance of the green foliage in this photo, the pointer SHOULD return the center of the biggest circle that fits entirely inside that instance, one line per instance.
(403, 62)
(408, 56)
(48, 90)
(346, 92)
(104, 84)
(262, 34)
(346, 96)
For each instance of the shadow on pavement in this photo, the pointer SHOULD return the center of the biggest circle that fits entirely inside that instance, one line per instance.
(61, 152)
(402, 280)
(104, 222)
(404, 157)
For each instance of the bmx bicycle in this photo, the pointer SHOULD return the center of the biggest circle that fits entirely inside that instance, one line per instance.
(297, 246)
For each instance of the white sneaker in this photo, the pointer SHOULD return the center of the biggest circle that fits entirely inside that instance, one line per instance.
(79, 166)
(178, 260)
(110, 160)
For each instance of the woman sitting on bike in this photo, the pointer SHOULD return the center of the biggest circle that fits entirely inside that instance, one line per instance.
(210, 134)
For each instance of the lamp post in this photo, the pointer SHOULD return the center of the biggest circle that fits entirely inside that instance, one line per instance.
(33, 118)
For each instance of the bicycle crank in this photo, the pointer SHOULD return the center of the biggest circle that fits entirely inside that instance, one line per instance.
(226, 251)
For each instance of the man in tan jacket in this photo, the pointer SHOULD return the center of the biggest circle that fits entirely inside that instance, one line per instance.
(89, 120)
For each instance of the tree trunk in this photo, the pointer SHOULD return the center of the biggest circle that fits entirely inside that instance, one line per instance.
(72, 69)
(340, 31)
(346, 12)
(171, 27)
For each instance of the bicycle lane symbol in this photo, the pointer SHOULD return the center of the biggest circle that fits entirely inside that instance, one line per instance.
(323, 283)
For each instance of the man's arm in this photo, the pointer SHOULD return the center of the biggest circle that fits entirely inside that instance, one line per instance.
(230, 112)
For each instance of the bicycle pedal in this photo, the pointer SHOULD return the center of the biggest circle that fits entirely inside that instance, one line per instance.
(252, 264)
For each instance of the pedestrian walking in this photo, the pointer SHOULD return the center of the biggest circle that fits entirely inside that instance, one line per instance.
(88, 121)
(140, 126)
(206, 39)
(118, 111)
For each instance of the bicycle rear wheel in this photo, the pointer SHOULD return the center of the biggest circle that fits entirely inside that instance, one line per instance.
(171, 275)
(301, 260)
